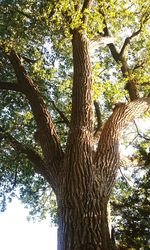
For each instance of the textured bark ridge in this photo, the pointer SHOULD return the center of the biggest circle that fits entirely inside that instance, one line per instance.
(83, 222)
(89, 178)
(81, 177)
(88, 181)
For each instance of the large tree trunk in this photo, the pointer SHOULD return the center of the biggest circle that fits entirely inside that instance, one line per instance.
(87, 178)
(82, 206)
(81, 178)
(83, 220)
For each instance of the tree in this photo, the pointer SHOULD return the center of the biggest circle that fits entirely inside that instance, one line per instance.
(130, 201)
(131, 208)
(80, 163)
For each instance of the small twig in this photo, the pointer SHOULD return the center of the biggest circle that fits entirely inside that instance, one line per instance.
(125, 177)
(28, 60)
(130, 143)
(24, 13)
(139, 65)
(145, 83)
(139, 134)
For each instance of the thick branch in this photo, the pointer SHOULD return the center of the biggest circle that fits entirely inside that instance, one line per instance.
(47, 134)
(108, 147)
(131, 85)
(31, 154)
(82, 112)
(10, 86)
(111, 46)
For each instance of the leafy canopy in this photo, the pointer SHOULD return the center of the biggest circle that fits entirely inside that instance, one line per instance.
(40, 32)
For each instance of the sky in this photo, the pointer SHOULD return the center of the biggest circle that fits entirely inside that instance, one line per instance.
(17, 233)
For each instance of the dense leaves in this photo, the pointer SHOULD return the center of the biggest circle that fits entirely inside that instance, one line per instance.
(41, 34)
(131, 207)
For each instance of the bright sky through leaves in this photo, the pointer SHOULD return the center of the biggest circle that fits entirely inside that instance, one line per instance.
(17, 233)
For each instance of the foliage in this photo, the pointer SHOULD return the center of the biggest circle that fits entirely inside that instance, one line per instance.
(131, 205)
(130, 202)
(41, 34)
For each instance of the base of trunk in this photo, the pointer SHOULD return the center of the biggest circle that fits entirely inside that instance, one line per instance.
(84, 228)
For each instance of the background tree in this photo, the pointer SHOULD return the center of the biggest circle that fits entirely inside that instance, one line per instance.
(50, 83)
(130, 203)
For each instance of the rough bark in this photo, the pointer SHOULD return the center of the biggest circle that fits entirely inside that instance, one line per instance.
(83, 222)
(85, 179)
(82, 212)
(107, 157)
(82, 179)
(84, 195)
(49, 143)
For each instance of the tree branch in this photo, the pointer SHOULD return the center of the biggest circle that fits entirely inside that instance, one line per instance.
(133, 161)
(128, 39)
(111, 46)
(82, 102)
(86, 6)
(108, 147)
(10, 86)
(64, 118)
(131, 84)
(139, 134)
(28, 60)
(145, 83)
(24, 13)
(144, 19)
(145, 156)
(48, 137)
(31, 154)
(118, 57)
(127, 162)
(139, 65)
